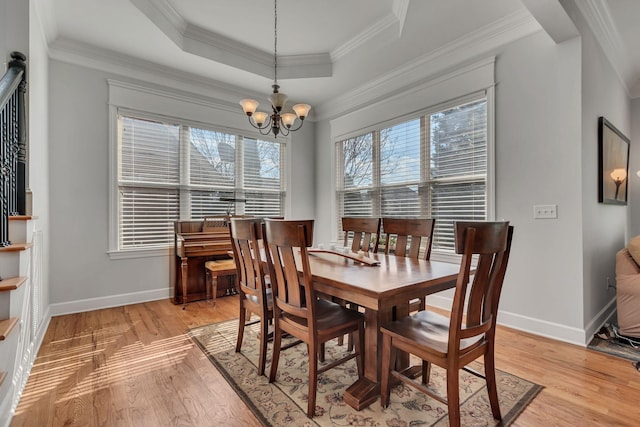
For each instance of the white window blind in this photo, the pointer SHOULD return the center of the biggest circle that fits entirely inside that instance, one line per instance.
(262, 178)
(432, 166)
(148, 182)
(168, 172)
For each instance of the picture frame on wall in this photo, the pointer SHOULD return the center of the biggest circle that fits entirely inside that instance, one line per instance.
(613, 168)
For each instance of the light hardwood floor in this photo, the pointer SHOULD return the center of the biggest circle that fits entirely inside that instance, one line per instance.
(135, 366)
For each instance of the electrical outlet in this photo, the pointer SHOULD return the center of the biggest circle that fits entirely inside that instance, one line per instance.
(545, 211)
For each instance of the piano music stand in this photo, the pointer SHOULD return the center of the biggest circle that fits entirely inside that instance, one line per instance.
(231, 201)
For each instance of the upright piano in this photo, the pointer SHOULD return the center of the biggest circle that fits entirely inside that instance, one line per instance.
(196, 242)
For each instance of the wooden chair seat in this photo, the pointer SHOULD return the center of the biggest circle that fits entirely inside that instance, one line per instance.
(215, 269)
(330, 317)
(427, 330)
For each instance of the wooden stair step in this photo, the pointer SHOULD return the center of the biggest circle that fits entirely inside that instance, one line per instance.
(22, 217)
(12, 283)
(16, 247)
(6, 326)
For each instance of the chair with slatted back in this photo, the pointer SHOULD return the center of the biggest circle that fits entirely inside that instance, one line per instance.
(297, 309)
(453, 342)
(409, 237)
(364, 233)
(255, 294)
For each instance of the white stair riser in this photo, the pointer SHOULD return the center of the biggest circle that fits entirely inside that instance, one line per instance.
(19, 231)
(9, 264)
(14, 264)
(17, 302)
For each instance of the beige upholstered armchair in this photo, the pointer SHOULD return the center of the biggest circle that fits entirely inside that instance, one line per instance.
(628, 288)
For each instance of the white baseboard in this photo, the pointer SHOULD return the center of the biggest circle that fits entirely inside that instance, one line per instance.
(90, 304)
(600, 319)
(527, 324)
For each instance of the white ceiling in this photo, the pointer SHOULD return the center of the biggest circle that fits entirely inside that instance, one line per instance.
(325, 48)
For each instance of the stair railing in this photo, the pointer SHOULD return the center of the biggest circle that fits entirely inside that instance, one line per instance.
(13, 143)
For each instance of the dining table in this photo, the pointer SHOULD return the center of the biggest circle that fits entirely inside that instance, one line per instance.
(382, 285)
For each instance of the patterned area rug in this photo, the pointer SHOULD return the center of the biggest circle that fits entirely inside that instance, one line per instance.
(285, 401)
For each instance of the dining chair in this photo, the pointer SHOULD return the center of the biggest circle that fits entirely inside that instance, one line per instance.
(255, 293)
(409, 237)
(452, 343)
(363, 232)
(297, 309)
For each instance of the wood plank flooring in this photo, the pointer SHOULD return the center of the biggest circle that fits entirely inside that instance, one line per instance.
(135, 366)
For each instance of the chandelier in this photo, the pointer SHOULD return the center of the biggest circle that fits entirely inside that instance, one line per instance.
(278, 122)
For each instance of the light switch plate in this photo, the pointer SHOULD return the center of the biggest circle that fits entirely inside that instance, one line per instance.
(545, 211)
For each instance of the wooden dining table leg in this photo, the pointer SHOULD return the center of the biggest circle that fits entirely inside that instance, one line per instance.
(366, 390)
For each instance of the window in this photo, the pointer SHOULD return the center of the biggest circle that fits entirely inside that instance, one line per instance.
(172, 171)
(431, 166)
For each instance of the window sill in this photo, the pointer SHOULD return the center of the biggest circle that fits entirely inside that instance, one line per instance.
(139, 253)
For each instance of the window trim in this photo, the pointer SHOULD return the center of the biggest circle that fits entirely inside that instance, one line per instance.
(146, 99)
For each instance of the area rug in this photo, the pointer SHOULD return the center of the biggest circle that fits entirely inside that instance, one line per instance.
(284, 402)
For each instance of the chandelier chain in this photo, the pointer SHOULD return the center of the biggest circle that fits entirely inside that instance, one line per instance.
(278, 122)
(275, 41)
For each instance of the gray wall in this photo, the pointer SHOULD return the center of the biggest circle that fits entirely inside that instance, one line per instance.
(604, 227)
(537, 97)
(83, 275)
(538, 162)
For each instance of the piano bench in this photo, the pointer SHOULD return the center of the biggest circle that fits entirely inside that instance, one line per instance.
(215, 269)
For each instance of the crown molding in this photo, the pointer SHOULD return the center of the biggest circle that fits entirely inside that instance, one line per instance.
(427, 67)
(396, 17)
(172, 93)
(366, 35)
(208, 44)
(598, 17)
(108, 61)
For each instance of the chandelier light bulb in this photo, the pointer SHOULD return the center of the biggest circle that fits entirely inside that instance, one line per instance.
(259, 117)
(249, 106)
(302, 110)
(278, 100)
(288, 119)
